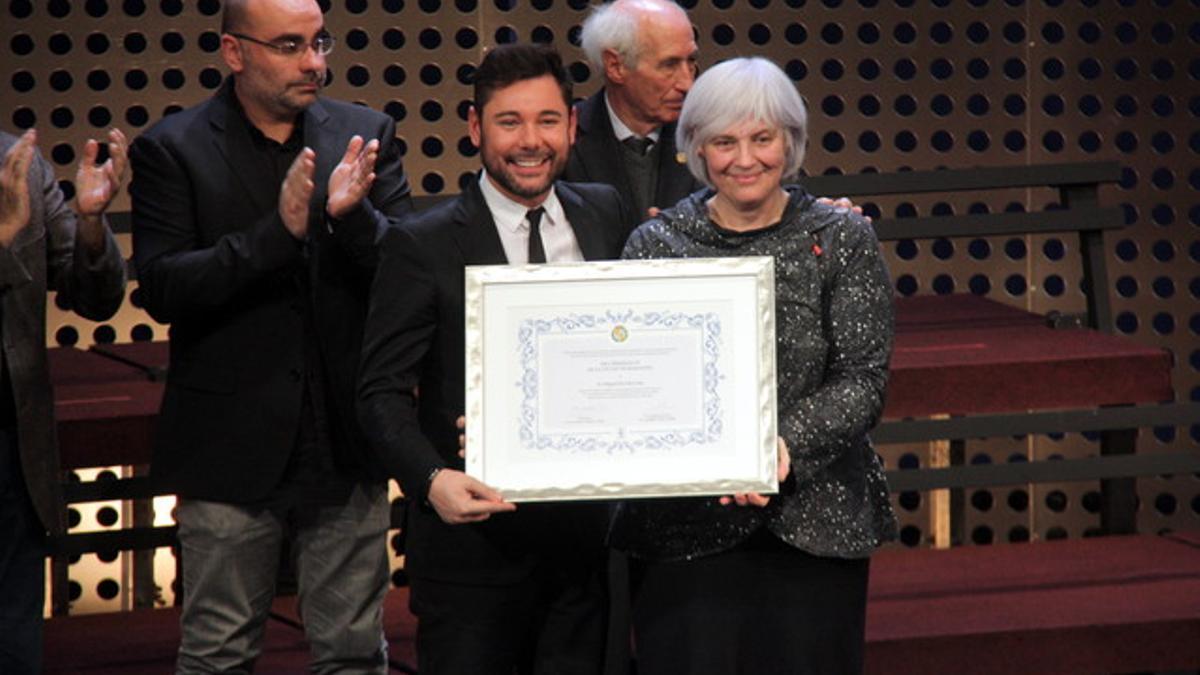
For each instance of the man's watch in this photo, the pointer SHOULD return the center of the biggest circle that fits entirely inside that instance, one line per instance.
(429, 482)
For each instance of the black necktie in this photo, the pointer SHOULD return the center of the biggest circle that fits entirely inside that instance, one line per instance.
(537, 254)
(639, 144)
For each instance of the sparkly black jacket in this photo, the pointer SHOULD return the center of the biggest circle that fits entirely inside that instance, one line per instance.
(833, 341)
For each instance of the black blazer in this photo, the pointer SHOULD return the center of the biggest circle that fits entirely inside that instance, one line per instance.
(596, 157)
(415, 338)
(215, 261)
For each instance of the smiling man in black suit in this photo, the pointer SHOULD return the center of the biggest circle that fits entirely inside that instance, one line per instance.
(256, 216)
(492, 589)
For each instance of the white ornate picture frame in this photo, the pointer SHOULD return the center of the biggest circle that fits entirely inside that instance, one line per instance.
(615, 380)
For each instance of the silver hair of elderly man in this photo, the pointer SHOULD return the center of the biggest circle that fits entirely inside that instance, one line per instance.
(615, 26)
(735, 91)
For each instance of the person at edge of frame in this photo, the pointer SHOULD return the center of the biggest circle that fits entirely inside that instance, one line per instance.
(44, 245)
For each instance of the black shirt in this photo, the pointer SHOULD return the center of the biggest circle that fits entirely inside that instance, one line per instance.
(311, 475)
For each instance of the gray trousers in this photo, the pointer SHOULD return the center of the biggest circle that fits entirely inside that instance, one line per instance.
(230, 560)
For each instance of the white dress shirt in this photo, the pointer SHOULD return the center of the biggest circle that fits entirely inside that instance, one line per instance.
(620, 130)
(558, 239)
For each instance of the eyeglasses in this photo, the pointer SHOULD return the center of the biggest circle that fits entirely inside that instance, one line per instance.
(322, 44)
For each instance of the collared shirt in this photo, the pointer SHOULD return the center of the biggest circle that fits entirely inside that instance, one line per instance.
(620, 129)
(558, 238)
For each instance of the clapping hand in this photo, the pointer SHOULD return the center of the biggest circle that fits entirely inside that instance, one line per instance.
(97, 184)
(14, 188)
(296, 192)
(353, 177)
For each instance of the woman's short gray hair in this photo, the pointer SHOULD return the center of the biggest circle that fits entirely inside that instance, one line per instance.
(735, 91)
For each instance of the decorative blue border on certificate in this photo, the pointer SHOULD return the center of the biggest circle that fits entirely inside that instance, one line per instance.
(530, 330)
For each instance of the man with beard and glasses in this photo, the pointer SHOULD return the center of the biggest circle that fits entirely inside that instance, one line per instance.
(256, 219)
(493, 587)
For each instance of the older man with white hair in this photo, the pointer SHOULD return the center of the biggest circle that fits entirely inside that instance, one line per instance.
(646, 52)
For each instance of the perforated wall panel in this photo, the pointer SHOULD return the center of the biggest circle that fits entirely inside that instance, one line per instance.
(891, 84)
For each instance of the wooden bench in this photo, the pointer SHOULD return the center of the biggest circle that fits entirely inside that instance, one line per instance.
(1115, 604)
(1104, 605)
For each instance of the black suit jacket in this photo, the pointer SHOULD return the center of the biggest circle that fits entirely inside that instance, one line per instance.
(215, 261)
(415, 338)
(596, 157)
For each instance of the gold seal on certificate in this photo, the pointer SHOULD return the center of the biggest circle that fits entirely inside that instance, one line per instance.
(622, 379)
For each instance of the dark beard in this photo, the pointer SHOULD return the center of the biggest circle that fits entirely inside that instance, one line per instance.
(499, 174)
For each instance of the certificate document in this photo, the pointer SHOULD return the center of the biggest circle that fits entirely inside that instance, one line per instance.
(622, 379)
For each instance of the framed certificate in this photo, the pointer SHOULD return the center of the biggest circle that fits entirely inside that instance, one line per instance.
(624, 379)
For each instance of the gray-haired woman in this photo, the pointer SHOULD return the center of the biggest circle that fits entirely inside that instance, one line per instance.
(750, 583)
